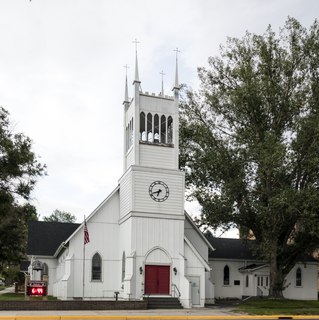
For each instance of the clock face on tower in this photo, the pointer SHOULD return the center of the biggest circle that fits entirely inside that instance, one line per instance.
(158, 191)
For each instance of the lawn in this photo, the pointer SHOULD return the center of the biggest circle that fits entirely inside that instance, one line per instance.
(20, 297)
(279, 306)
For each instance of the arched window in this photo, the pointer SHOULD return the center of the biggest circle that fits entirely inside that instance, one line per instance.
(45, 270)
(131, 133)
(97, 267)
(156, 129)
(226, 276)
(123, 265)
(298, 278)
(149, 127)
(169, 129)
(126, 137)
(247, 281)
(142, 127)
(163, 129)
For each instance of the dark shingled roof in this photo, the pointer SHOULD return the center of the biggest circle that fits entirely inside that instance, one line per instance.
(44, 238)
(230, 248)
(239, 249)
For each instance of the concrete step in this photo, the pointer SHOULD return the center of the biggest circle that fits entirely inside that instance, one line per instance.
(163, 303)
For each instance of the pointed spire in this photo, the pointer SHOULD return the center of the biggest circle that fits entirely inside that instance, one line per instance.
(126, 98)
(137, 78)
(163, 74)
(176, 85)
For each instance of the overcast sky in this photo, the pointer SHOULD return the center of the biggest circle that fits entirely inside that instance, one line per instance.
(62, 76)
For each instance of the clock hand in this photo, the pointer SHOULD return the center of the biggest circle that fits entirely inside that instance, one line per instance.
(157, 192)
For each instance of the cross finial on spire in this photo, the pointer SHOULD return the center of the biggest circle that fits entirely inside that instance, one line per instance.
(136, 43)
(163, 74)
(126, 67)
(137, 80)
(177, 52)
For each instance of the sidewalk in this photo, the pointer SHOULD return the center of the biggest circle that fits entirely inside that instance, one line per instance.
(7, 290)
(194, 312)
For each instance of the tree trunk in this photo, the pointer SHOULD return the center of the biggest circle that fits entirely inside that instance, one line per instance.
(276, 276)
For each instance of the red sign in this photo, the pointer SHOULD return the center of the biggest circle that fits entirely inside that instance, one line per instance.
(36, 290)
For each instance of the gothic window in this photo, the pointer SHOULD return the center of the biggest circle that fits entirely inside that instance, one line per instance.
(156, 129)
(142, 127)
(149, 127)
(123, 265)
(131, 133)
(226, 276)
(298, 278)
(126, 137)
(45, 270)
(96, 267)
(163, 129)
(169, 129)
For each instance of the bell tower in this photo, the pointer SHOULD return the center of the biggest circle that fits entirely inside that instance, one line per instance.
(151, 126)
(151, 192)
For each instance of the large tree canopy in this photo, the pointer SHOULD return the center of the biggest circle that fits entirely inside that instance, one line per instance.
(60, 216)
(19, 170)
(250, 143)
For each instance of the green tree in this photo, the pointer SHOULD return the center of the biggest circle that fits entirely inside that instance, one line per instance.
(60, 216)
(250, 143)
(19, 170)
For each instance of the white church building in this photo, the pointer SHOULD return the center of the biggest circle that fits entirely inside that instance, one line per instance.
(141, 241)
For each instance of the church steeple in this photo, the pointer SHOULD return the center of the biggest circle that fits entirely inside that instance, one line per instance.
(137, 78)
(176, 87)
(126, 98)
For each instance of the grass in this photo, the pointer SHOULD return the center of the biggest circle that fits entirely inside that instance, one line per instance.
(20, 297)
(266, 306)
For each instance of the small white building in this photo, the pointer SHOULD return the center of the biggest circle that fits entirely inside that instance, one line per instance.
(141, 241)
(237, 273)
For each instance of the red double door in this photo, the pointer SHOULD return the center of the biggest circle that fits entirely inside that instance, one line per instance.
(157, 279)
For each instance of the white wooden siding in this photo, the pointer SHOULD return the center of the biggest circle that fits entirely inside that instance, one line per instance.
(157, 156)
(149, 233)
(130, 157)
(149, 103)
(126, 194)
(144, 203)
(196, 240)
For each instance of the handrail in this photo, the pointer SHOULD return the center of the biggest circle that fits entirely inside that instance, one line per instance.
(175, 290)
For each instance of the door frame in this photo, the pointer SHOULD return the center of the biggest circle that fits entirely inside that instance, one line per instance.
(189, 277)
(169, 279)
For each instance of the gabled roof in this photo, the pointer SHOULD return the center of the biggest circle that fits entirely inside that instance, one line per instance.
(191, 221)
(240, 249)
(231, 248)
(45, 237)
